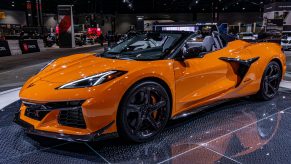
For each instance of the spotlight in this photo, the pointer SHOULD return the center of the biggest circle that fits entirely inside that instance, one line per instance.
(129, 3)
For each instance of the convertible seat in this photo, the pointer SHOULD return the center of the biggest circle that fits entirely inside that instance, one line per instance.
(208, 43)
(217, 40)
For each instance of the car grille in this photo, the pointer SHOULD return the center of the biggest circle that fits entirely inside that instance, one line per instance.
(70, 112)
(72, 118)
(35, 114)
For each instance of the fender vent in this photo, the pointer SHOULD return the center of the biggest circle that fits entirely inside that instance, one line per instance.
(243, 66)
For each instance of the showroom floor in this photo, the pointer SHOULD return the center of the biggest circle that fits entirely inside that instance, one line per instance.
(240, 131)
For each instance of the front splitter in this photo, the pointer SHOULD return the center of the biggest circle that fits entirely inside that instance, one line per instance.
(96, 136)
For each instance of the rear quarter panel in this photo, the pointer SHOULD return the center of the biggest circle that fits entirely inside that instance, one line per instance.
(266, 52)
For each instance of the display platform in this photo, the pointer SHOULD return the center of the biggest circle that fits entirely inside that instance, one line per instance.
(239, 131)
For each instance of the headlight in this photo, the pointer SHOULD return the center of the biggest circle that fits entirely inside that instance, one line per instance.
(47, 65)
(93, 80)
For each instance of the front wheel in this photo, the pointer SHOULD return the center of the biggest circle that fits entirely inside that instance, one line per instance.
(270, 82)
(144, 112)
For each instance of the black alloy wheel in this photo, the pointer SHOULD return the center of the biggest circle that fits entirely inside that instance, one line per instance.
(270, 82)
(144, 112)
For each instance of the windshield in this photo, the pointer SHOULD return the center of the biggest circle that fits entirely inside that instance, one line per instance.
(147, 46)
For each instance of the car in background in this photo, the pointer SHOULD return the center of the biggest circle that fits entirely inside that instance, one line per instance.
(286, 40)
(273, 36)
(248, 36)
(50, 40)
(90, 41)
(79, 39)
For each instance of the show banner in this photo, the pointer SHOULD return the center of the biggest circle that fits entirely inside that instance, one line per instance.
(29, 46)
(66, 26)
(4, 49)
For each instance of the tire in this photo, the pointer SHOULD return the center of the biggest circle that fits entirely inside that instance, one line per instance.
(144, 111)
(270, 82)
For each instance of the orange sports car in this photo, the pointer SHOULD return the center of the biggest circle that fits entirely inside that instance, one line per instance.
(133, 89)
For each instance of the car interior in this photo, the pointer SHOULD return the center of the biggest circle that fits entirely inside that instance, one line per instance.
(210, 44)
(151, 43)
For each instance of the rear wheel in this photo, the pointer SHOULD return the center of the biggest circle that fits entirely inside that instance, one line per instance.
(144, 112)
(270, 82)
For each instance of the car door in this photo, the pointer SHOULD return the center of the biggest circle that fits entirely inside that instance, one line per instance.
(201, 80)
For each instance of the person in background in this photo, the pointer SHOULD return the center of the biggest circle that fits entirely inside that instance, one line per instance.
(21, 36)
(101, 39)
(107, 36)
(84, 38)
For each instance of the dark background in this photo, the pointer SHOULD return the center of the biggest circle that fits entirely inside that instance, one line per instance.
(148, 6)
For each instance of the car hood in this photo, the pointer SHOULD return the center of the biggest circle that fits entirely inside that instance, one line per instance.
(79, 66)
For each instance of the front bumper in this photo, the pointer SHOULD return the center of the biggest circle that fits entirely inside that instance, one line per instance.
(96, 136)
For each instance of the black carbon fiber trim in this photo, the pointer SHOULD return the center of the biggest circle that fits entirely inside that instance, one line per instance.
(244, 66)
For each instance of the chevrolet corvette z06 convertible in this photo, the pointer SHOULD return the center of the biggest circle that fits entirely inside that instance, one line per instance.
(133, 89)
